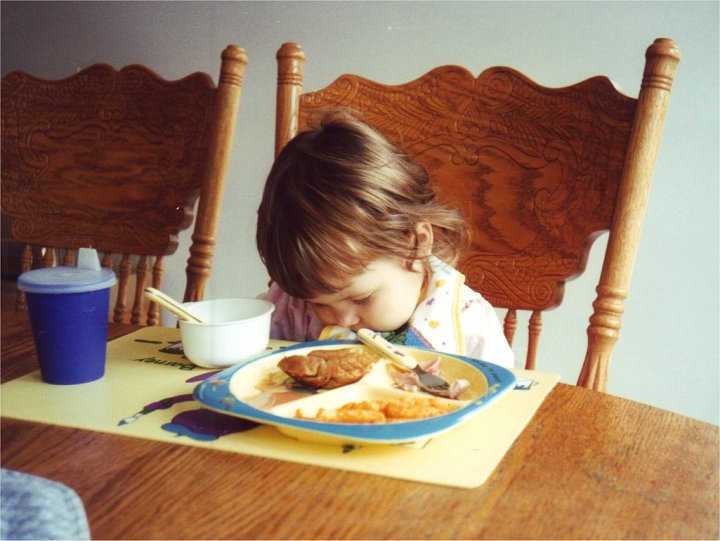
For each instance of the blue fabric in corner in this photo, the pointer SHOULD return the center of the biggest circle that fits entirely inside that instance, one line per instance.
(35, 508)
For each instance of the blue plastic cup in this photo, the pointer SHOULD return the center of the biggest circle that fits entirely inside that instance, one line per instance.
(69, 309)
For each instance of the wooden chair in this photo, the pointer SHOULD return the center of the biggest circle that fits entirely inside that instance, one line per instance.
(116, 160)
(539, 173)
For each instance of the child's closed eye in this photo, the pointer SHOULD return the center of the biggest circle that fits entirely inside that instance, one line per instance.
(362, 300)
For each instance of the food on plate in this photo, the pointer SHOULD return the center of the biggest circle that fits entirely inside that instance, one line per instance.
(382, 411)
(408, 380)
(327, 368)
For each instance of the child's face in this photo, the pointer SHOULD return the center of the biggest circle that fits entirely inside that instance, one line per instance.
(382, 298)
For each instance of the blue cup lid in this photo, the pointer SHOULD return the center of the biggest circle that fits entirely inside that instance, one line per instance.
(59, 280)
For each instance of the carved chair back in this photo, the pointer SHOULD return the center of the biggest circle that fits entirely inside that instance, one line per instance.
(116, 161)
(539, 173)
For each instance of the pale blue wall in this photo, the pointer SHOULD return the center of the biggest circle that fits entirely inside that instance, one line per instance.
(668, 352)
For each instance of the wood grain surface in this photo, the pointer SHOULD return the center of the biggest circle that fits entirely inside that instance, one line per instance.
(589, 465)
(539, 173)
(117, 160)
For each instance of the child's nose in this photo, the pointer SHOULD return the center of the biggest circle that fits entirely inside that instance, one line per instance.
(346, 317)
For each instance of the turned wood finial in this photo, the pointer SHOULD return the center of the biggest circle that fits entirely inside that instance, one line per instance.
(234, 52)
(291, 50)
(663, 47)
(291, 60)
(234, 61)
(662, 58)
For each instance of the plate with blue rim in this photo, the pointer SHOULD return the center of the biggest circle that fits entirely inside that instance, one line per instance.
(259, 391)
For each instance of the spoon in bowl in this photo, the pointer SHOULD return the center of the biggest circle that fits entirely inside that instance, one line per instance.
(171, 304)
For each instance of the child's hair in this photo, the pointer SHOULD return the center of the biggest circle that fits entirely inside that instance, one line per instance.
(341, 196)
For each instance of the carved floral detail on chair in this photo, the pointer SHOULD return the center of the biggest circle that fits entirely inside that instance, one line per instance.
(99, 117)
(518, 161)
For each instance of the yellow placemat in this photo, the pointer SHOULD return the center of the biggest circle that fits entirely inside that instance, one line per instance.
(147, 393)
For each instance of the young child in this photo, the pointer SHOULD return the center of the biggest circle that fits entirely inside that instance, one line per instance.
(353, 236)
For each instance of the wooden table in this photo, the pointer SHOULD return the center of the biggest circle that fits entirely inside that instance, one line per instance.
(588, 465)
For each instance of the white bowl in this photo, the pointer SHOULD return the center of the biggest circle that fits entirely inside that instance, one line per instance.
(236, 330)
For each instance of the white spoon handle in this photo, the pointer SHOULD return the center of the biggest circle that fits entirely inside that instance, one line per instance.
(171, 304)
(382, 346)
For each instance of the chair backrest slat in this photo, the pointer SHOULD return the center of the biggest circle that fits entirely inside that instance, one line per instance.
(510, 325)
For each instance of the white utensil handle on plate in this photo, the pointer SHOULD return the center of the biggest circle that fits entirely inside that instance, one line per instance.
(382, 346)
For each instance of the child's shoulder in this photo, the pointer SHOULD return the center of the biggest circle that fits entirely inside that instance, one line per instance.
(471, 299)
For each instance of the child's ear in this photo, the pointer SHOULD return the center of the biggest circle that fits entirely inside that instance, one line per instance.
(424, 235)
